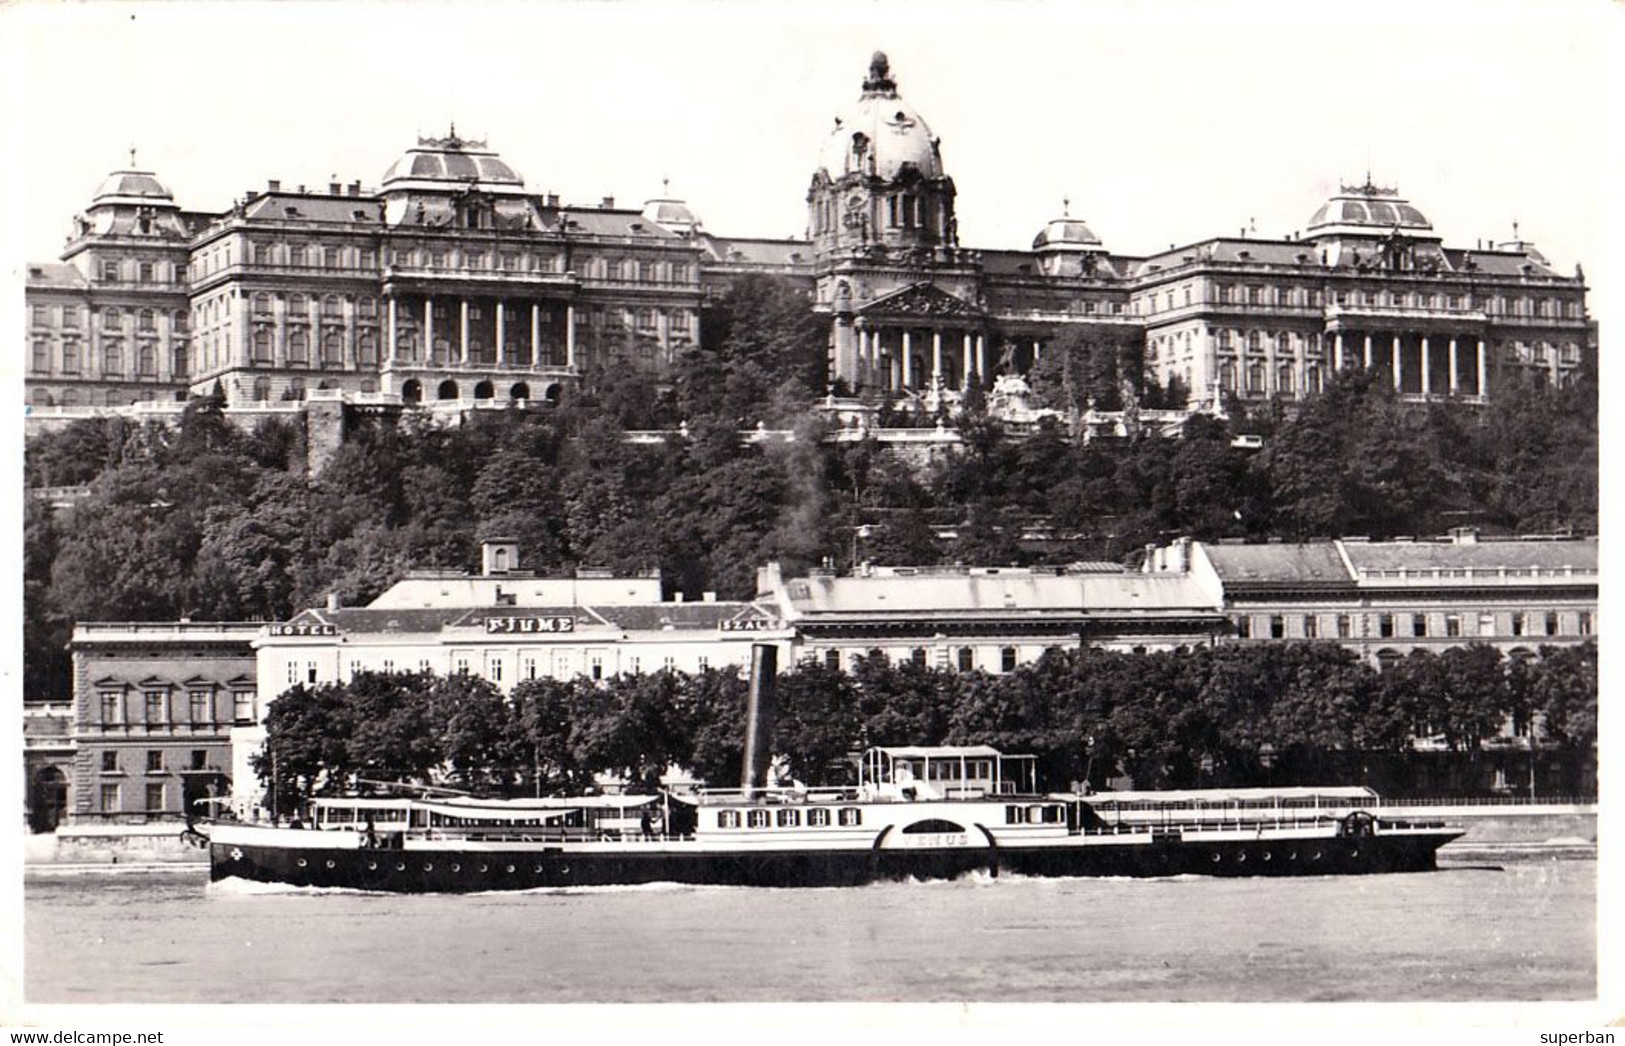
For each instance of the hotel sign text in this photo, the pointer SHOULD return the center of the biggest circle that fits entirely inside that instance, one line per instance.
(303, 630)
(528, 625)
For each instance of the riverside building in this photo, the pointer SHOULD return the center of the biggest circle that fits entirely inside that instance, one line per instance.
(452, 281)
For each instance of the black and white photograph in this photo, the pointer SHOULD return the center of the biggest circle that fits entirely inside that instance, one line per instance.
(774, 516)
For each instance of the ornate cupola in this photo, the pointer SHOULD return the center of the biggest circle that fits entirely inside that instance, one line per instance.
(880, 185)
(1066, 246)
(456, 182)
(1368, 227)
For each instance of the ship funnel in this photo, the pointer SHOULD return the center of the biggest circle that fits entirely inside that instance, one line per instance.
(759, 714)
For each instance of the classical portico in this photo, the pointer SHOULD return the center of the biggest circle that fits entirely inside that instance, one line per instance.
(1420, 354)
(920, 338)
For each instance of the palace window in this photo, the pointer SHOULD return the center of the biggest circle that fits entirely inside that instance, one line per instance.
(180, 367)
(42, 357)
(333, 348)
(111, 706)
(298, 346)
(155, 796)
(832, 660)
(1244, 627)
(70, 317)
(1007, 659)
(1311, 627)
(1552, 628)
(967, 659)
(1585, 623)
(1517, 623)
(109, 798)
(242, 706)
(147, 360)
(917, 656)
(155, 706)
(143, 272)
(1419, 624)
(110, 271)
(198, 706)
(112, 319)
(330, 258)
(1452, 625)
(1277, 626)
(109, 761)
(155, 761)
(1385, 625)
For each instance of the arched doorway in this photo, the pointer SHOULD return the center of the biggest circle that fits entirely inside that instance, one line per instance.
(49, 800)
(552, 393)
(520, 391)
(484, 390)
(448, 390)
(411, 391)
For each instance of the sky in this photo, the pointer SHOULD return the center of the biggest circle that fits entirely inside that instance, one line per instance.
(1163, 123)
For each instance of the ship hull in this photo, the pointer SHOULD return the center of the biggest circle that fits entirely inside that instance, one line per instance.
(535, 866)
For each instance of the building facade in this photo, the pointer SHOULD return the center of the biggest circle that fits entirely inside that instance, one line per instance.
(154, 705)
(451, 281)
(1386, 599)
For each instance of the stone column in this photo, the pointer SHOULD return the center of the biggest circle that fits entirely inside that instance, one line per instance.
(394, 329)
(1427, 379)
(535, 334)
(1399, 372)
(1368, 352)
(502, 332)
(1337, 351)
(908, 364)
(964, 357)
(428, 329)
(981, 357)
(864, 349)
(1455, 371)
(936, 359)
(570, 336)
(1483, 371)
(462, 353)
(1038, 351)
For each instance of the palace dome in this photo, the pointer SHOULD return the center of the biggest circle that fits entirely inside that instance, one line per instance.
(1367, 208)
(138, 187)
(880, 134)
(1065, 232)
(452, 162)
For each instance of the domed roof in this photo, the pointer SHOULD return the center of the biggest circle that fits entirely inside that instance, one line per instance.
(670, 213)
(1065, 232)
(140, 187)
(880, 134)
(451, 161)
(1367, 208)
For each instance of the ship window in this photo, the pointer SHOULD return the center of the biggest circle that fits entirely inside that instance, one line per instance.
(1013, 815)
(758, 819)
(851, 815)
(728, 819)
(789, 818)
(818, 817)
(1035, 814)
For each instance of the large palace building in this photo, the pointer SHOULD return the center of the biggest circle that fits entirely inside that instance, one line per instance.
(451, 281)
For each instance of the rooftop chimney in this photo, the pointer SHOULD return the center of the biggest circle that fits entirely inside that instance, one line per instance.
(335, 189)
(609, 202)
(355, 188)
(275, 185)
(553, 200)
(333, 602)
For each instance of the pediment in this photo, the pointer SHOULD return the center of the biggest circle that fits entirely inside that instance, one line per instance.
(921, 299)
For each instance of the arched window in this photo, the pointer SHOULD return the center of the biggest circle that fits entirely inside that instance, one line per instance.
(296, 389)
(412, 391)
(332, 307)
(262, 389)
(112, 319)
(297, 306)
(1255, 377)
(147, 360)
(447, 390)
(520, 391)
(484, 391)
(298, 346)
(366, 347)
(70, 398)
(180, 355)
(147, 320)
(113, 358)
(1283, 377)
(333, 348)
(262, 304)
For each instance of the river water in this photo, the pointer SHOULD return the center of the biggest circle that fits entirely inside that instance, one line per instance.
(1516, 926)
